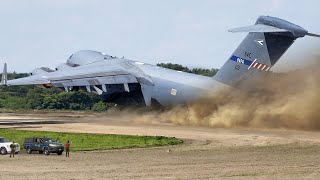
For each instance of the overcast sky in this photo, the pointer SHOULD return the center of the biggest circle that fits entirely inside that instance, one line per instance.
(37, 33)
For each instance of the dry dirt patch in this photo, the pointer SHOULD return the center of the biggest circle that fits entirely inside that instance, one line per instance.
(208, 153)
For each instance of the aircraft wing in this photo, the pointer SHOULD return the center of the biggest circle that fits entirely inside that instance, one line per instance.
(90, 75)
(31, 80)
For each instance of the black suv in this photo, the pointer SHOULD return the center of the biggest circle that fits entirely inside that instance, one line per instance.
(43, 145)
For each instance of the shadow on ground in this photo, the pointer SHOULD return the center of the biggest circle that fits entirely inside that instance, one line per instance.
(21, 123)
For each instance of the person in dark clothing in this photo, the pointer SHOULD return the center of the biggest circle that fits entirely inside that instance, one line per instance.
(67, 148)
(13, 149)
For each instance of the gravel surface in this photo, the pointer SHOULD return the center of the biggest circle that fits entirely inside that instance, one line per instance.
(208, 153)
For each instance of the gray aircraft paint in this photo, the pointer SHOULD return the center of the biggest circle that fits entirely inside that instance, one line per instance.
(266, 42)
(262, 46)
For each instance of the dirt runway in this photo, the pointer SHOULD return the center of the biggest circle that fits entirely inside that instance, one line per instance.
(208, 153)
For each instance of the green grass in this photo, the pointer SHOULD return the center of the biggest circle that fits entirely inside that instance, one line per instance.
(90, 142)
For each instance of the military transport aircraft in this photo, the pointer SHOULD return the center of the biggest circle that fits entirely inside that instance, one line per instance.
(126, 81)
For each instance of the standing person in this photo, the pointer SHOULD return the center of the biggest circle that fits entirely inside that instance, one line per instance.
(67, 148)
(13, 149)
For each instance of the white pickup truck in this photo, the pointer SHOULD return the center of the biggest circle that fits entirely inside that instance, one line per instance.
(5, 146)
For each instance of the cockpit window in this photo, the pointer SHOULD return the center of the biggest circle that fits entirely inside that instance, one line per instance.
(71, 56)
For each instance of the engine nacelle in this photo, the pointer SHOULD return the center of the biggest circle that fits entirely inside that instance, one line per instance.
(86, 57)
(42, 70)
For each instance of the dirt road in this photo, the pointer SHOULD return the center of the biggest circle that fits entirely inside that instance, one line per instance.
(208, 153)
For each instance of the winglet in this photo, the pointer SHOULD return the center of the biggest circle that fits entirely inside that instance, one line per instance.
(4, 79)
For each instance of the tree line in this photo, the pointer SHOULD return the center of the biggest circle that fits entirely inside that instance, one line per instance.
(33, 97)
(179, 67)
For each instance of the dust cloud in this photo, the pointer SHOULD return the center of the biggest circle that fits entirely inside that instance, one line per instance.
(288, 100)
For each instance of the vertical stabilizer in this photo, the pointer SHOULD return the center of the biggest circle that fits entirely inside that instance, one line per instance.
(4, 79)
(266, 42)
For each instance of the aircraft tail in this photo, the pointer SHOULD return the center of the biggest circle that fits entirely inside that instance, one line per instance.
(4, 79)
(266, 42)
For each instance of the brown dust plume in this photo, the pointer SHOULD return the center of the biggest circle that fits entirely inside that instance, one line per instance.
(287, 100)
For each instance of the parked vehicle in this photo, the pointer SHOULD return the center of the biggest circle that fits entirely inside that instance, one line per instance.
(5, 146)
(43, 145)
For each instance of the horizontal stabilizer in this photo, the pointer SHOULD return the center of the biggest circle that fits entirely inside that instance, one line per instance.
(258, 28)
(314, 35)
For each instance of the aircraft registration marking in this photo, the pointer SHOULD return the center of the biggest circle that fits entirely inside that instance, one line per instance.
(240, 60)
(251, 64)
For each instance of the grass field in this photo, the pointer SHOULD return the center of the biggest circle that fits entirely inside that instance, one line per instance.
(89, 142)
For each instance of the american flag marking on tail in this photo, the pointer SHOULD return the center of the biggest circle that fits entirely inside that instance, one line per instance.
(259, 66)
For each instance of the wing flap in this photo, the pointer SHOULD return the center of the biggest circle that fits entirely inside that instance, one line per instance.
(313, 35)
(119, 79)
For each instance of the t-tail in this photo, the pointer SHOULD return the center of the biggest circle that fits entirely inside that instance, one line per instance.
(266, 42)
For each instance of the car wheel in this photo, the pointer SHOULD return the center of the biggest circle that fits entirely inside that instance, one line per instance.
(59, 153)
(3, 151)
(29, 151)
(46, 152)
(40, 152)
(16, 152)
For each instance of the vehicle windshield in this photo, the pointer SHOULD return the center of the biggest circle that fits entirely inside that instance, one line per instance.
(3, 140)
(49, 140)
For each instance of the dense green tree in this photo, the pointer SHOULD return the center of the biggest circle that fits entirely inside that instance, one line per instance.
(204, 72)
(176, 67)
(15, 75)
(200, 71)
(99, 107)
(77, 100)
(35, 98)
(14, 102)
